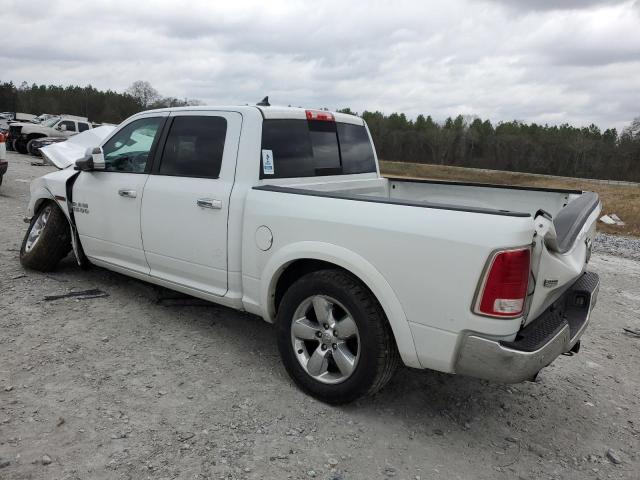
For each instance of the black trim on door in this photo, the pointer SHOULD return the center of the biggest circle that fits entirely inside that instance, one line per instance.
(162, 139)
(439, 206)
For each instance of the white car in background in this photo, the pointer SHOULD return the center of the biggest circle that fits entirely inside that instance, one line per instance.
(282, 212)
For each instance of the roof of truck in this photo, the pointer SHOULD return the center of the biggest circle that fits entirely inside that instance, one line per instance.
(270, 112)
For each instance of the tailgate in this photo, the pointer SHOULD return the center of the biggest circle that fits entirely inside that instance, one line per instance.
(562, 247)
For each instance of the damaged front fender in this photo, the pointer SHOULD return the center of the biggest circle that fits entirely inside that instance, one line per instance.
(57, 187)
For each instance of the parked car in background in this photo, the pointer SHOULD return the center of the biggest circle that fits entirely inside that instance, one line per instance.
(23, 134)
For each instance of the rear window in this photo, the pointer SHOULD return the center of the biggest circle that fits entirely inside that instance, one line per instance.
(309, 148)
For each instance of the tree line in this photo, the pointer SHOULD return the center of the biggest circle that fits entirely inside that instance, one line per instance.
(467, 141)
(564, 150)
(101, 106)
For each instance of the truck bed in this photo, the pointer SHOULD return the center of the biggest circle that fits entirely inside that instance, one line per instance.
(561, 233)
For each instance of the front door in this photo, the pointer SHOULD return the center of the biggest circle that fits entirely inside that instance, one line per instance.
(107, 203)
(185, 207)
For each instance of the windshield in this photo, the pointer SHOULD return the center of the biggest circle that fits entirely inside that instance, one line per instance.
(51, 122)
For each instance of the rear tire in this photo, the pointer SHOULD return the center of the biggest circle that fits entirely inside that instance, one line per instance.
(48, 239)
(371, 347)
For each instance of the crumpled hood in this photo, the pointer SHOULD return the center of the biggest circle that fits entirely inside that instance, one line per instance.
(65, 154)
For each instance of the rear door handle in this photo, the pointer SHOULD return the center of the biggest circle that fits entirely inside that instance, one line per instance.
(123, 192)
(209, 203)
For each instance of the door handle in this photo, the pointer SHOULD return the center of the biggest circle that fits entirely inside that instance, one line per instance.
(209, 203)
(127, 193)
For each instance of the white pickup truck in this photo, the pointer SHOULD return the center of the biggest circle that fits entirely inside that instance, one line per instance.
(282, 212)
(22, 135)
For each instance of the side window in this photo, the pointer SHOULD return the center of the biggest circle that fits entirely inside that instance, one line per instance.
(128, 150)
(194, 147)
(71, 126)
(82, 127)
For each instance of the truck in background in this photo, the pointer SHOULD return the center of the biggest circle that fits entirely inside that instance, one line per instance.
(22, 135)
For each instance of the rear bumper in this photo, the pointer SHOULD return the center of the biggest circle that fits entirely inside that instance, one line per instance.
(538, 344)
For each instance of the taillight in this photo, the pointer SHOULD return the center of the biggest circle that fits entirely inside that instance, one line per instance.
(504, 286)
(320, 115)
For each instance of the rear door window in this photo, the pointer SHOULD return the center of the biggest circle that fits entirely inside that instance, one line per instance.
(302, 148)
(194, 147)
(82, 126)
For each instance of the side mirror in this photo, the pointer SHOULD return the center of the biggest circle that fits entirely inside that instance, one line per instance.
(93, 160)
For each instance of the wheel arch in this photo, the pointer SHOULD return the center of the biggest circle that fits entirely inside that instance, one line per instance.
(31, 136)
(41, 193)
(294, 261)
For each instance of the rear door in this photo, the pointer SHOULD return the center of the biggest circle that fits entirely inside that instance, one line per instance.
(186, 200)
(107, 203)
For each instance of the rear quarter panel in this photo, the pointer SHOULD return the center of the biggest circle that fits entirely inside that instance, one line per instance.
(431, 260)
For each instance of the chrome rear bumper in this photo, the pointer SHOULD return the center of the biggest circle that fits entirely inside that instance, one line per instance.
(538, 344)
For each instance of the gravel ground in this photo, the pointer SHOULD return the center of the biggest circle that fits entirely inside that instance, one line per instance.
(145, 383)
(618, 245)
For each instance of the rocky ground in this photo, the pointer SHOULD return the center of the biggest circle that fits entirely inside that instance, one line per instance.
(144, 383)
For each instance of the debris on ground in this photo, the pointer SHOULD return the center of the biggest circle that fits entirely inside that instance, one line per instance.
(79, 295)
(632, 331)
(612, 219)
(617, 219)
(46, 459)
(613, 457)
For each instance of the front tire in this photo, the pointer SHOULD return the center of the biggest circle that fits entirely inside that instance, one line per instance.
(30, 149)
(334, 339)
(20, 147)
(48, 239)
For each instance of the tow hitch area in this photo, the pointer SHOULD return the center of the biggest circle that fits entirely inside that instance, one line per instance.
(556, 331)
(575, 349)
(570, 310)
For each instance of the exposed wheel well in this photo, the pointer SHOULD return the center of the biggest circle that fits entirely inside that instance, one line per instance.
(301, 267)
(296, 270)
(39, 203)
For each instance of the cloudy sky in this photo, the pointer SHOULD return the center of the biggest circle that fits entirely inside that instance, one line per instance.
(548, 61)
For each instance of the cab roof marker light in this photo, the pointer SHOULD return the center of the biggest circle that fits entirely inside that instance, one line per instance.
(319, 115)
